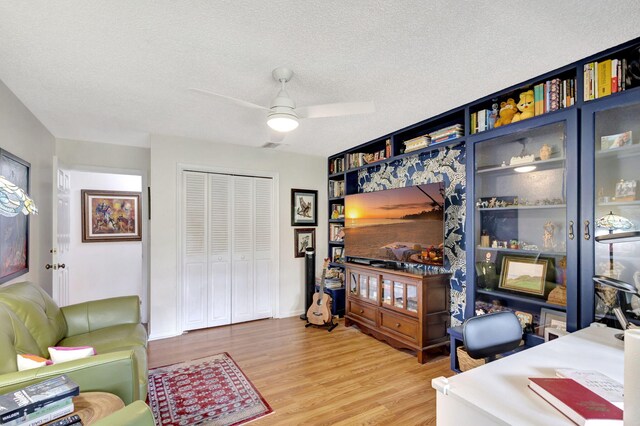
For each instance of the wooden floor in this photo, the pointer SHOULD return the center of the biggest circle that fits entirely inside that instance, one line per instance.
(310, 376)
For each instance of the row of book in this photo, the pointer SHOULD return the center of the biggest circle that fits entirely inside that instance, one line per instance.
(336, 165)
(39, 403)
(336, 188)
(447, 134)
(549, 96)
(336, 232)
(604, 78)
(359, 159)
(337, 211)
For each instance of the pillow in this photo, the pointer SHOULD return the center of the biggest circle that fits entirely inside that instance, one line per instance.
(29, 361)
(63, 354)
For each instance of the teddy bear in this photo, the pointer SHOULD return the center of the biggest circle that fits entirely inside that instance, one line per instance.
(525, 106)
(507, 111)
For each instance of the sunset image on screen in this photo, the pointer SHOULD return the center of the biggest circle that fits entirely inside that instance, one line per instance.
(404, 224)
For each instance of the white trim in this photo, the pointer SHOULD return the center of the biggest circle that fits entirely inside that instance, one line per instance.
(289, 314)
(275, 176)
(163, 336)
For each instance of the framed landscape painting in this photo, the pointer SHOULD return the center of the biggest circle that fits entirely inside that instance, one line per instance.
(524, 274)
(304, 207)
(14, 230)
(110, 216)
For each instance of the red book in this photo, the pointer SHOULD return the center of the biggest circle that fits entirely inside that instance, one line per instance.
(578, 403)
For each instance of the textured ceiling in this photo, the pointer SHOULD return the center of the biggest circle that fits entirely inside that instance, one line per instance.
(116, 71)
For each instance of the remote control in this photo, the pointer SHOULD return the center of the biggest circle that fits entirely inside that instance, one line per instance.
(67, 421)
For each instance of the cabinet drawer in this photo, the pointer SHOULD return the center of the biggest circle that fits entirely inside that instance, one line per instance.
(362, 310)
(398, 324)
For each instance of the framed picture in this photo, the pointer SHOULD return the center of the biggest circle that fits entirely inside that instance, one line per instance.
(337, 254)
(626, 190)
(110, 216)
(304, 238)
(304, 207)
(524, 318)
(550, 318)
(616, 141)
(551, 333)
(336, 232)
(524, 274)
(14, 230)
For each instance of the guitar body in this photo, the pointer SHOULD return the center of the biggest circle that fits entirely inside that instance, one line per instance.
(319, 313)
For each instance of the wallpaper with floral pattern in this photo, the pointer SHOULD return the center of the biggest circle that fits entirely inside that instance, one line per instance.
(446, 165)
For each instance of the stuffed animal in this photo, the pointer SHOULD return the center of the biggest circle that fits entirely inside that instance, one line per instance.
(525, 106)
(507, 111)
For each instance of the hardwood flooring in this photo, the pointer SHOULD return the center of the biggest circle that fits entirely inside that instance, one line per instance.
(310, 376)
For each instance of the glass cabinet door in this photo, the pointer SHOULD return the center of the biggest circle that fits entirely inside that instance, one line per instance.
(398, 295)
(386, 292)
(373, 289)
(616, 207)
(353, 283)
(363, 285)
(412, 298)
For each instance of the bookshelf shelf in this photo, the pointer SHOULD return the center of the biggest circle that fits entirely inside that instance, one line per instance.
(542, 207)
(539, 303)
(619, 153)
(520, 251)
(551, 163)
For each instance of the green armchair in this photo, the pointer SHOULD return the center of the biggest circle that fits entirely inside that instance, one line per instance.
(30, 322)
(135, 414)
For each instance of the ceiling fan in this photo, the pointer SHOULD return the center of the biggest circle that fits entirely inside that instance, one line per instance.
(282, 113)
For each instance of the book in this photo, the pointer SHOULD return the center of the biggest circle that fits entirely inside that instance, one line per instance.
(603, 385)
(34, 397)
(604, 78)
(575, 401)
(49, 412)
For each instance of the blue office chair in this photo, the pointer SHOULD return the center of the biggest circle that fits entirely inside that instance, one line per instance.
(486, 336)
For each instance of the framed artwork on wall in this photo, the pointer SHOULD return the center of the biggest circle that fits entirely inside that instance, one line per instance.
(304, 238)
(524, 274)
(14, 226)
(110, 216)
(304, 207)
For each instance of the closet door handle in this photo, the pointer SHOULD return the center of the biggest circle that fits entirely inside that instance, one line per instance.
(587, 235)
(571, 234)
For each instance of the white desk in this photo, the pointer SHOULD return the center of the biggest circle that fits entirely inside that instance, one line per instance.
(497, 393)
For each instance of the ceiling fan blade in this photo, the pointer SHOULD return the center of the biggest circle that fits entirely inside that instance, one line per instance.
(335, 110)
(276, 136)
(229, 98)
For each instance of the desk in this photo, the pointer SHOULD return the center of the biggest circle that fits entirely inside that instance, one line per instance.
(497, 393)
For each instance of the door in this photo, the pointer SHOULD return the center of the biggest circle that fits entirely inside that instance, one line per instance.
(59, 265)
(242, 306)
(219, 283)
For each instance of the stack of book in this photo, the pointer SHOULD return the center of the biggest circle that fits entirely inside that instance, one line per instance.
(553, 95)
(336, 188)
(336, 165)
(337, 211)
(39, 403)
(482, 120)
(447, 134)
(604, 78)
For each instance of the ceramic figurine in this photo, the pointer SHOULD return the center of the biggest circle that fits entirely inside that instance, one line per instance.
(549, 230)
(545, 152)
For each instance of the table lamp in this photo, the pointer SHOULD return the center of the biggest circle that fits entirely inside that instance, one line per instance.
(14, 200)
(613, 222)
(620, 286)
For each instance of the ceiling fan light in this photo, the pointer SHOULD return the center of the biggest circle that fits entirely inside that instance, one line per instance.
(282, 122)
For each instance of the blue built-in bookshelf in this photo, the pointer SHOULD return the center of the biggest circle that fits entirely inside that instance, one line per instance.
(452, 146)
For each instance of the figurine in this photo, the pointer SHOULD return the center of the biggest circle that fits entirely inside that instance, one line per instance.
(549, 231)
(545, 152)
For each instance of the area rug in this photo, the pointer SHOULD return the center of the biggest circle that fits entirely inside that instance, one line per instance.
(206, 391)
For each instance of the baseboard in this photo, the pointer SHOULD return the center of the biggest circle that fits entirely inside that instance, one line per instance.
(163, 336)
(289, 314)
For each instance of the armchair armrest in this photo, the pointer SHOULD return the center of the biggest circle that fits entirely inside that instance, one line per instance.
(135, 414)
(114, 372)
(89, 316)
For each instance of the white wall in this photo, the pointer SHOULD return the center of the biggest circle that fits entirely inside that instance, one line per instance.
(101, 270)
(23, 135)
(295, 171)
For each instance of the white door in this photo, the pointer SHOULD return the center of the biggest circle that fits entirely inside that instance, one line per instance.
(263, 248)
(61, 229)
(242, 293)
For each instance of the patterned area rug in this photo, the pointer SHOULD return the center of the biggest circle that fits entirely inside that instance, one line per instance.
(207, 391)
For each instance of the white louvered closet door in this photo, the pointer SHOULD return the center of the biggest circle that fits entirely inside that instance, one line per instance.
(194, 256)
(219, 298)
(263, 263)
(243, 291)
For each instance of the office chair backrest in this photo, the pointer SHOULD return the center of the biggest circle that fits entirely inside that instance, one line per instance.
(491, 334)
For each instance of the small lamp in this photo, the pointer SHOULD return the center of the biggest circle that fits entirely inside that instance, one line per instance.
(613, 222)
(620, 286)
(13, 200)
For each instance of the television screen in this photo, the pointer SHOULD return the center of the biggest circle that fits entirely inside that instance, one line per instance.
(400, 225)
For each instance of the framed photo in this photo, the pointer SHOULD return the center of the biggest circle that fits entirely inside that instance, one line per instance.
(336, 232)
(626, 190)
(304, 207)
(304, 238)
(551, 333)
(616, 141)
(524, 274)
(550, 318)
(524, 318)
(14, 230)
(110, 216)
(337, 254)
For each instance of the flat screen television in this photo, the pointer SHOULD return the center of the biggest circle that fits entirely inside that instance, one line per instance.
(399, 225)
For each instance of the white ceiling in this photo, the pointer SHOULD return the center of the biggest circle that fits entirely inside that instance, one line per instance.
(116, 71)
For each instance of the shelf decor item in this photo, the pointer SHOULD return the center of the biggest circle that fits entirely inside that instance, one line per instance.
(616, 141)
(337, 254)
(552, 318)
(110, 216)
(545, 152)
(15, 205)
(304, 207)
(304, 238)
(626, 190)
(524, 274)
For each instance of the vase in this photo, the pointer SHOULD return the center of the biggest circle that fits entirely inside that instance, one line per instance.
(545, 152)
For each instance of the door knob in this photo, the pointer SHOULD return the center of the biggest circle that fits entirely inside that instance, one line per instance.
(54, 267)
(48, 266)
(61, 265)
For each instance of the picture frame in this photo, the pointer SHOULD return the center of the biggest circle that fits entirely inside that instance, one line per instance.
(626, 190)
(550, 318)
(336, 232)
(337, 254)
(110, 216)
(616, 141)
(524, 274)
(525, 318)
(304, 207)
(303, 238)
(14, 230)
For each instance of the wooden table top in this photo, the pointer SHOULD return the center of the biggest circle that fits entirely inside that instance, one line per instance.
(93, 406)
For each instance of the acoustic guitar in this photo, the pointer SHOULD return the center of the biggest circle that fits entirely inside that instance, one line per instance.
(319, 313)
